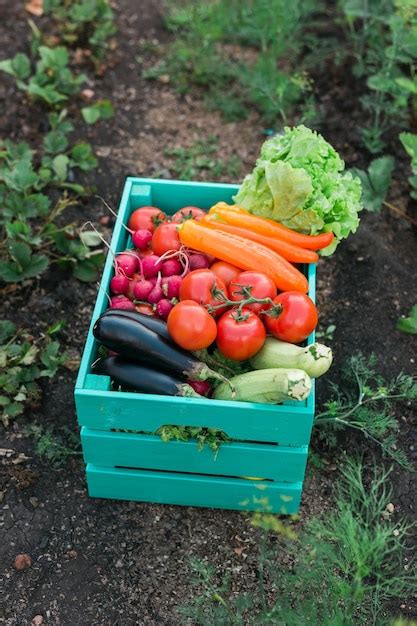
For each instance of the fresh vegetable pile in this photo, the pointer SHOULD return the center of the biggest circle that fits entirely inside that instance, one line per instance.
(214, 303)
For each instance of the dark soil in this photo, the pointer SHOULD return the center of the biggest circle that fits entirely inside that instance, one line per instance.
(105, 562)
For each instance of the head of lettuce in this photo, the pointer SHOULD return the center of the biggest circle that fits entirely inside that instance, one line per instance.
(299, 181)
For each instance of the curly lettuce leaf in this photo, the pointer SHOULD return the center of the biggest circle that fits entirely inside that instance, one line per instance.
(299, 181)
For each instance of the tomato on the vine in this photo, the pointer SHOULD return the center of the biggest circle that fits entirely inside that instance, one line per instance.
(297, 319)
(191, 326)
(146, 218)
(165, 238)
(202, 286)
(225, 271)
(188, 212)
(253, 284)
(240, 335)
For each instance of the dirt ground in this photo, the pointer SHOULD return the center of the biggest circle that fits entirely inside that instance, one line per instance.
(118, 563)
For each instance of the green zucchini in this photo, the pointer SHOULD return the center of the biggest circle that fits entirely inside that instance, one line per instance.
(314, 359)
(270, 386)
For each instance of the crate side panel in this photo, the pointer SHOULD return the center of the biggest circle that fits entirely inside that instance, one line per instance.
(204, 491)
(109, 449)
(284, 425)
(172, 195)
(118, 242)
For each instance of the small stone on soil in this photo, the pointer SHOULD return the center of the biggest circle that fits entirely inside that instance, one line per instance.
(22, 561)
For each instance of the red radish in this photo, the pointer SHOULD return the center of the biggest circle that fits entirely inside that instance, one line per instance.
(127, 263)
(119, 284)
(163, 308)
(141, 238)
(135, 279)
(153, 280)
(150, 266)
(202, 387)
(198, 262)
(171, 267)
(156, 294)
(171, 286)
(121, 302)
(142, 289)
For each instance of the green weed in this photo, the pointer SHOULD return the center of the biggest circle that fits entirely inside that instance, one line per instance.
(190, 163)
(346, 566)
(54, 447)
(365, 402)
(208, 51)
(213, 438)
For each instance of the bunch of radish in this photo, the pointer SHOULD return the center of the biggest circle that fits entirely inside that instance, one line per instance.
(148, 277)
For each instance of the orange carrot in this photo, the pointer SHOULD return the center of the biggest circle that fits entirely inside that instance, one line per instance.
(243, 253)
(236, 216)
(292, 253)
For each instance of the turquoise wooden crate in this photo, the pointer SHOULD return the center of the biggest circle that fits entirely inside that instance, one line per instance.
(271, 442)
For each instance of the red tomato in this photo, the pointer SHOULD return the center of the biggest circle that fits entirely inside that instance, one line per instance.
(146, 217)
(165, 238)
(225, 271)
(187, 213)
(200, 286)
(146, 309)
(240, 339)
(296, 321)
(191, 326)
(260, 286)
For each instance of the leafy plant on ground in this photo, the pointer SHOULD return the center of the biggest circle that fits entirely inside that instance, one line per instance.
(100, 110)
(52, 80)
(409, 142)
(84, 23)
(409, 324)
(345, 566)
(383, 36)
(31, 237)
(365, 402)
(52, 446)
(23, 361)
(209, 50)
(375, 182)
(201, 157)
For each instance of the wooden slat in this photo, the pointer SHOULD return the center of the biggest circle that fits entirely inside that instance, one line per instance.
(188, 490)
(107, 410)
(109, 449)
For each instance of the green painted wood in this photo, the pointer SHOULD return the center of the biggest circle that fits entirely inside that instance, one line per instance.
(118, 243)
(106, 410)
(192, 490)
(109, 449)
(171, 195)
(99, 383)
